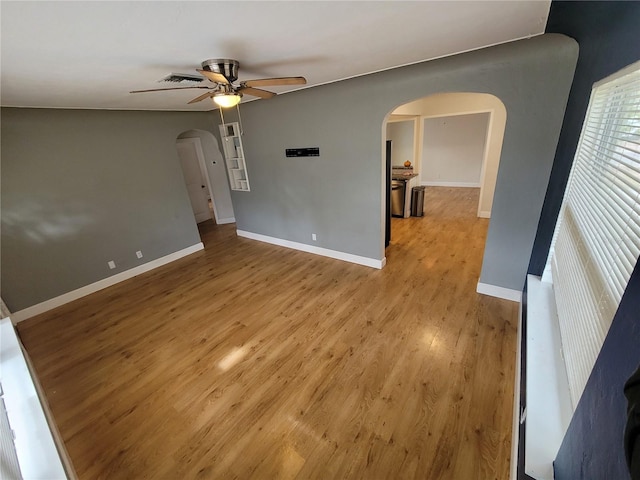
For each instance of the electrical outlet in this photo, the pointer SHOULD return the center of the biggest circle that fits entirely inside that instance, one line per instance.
(111, 264)
(139, 254)
(314, 237)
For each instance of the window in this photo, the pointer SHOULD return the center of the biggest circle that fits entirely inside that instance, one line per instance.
(597, 238)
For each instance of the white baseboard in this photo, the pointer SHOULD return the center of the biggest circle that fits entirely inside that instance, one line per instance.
(101, 284)
(451, 184)
(223, 221)
(499, 292)
(325, 252)
(484, 214)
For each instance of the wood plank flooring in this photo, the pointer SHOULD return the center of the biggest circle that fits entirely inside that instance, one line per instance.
(249, 360)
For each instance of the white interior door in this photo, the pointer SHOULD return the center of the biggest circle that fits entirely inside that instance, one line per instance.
(196, 184)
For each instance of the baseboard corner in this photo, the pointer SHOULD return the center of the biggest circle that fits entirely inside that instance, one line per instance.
(499, 292)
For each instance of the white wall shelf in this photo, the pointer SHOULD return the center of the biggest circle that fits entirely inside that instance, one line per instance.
(234, 156)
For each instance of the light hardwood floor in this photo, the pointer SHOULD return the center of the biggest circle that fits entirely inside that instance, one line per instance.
(249, 360)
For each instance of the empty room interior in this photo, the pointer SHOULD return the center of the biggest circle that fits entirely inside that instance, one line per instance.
(368, 240)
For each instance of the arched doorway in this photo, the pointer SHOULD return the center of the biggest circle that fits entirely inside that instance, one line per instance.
(457, 104)
(439, 109)
(205, 176)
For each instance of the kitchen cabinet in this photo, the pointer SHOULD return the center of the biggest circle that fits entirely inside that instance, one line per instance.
(234, 156)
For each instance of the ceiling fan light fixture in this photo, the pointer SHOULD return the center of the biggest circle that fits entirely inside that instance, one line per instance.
(226, 100)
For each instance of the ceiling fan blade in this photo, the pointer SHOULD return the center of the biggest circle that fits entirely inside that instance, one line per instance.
(170, 88)
(265, 82)
(214, 77)
(256, 92)
(202, 97)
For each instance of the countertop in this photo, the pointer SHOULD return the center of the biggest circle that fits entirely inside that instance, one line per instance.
(403, 176)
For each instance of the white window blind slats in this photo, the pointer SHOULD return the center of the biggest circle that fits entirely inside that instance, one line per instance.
(623, 188)
(599, 254)
(609, 97)
(624, 180)
(573, 337)
(627, 157)
(633, 144)
(612, 98)
(630, 88)
(625, 112)
(604, 242)
(582, 208)
(621, 210)
(630, 150)
(624, 122)
(615, 93)
(597, 240)
(588, 304)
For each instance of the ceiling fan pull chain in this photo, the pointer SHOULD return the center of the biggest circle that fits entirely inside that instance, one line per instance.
(221, 115)
(239, 119)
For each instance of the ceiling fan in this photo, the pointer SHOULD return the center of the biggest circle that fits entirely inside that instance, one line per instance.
(219, 75)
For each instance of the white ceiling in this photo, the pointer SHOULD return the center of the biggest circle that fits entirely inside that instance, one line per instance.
(91, 54)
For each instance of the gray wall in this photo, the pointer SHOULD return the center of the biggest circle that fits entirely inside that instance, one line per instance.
(453, 149)
(82, 187)
(339, 194)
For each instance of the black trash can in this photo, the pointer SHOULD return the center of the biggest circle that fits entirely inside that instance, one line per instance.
(417, 201)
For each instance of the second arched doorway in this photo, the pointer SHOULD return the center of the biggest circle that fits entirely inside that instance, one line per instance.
(205, 176)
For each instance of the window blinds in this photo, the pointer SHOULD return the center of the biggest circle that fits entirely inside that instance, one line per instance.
(597, 238)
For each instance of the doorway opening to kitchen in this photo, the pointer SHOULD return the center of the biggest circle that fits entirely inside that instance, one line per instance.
(448, 145)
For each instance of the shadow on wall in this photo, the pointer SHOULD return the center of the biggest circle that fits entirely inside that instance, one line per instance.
(205, 145)
(454, 104)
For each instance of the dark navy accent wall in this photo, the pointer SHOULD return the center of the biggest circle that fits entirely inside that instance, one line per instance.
(593, 446)
(608, 34)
